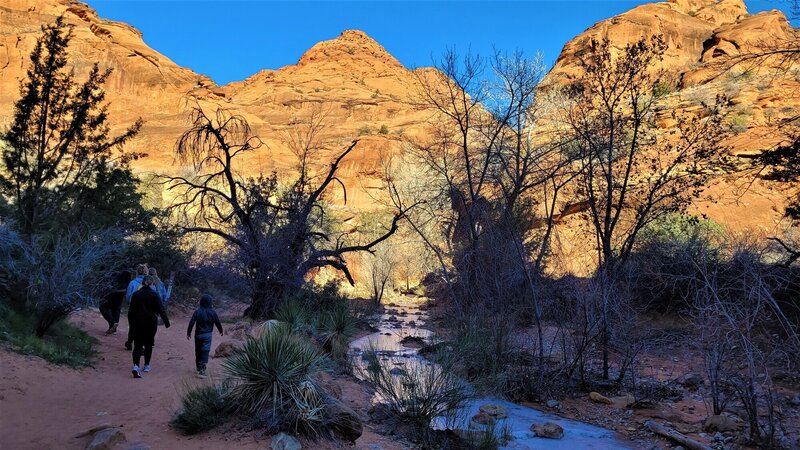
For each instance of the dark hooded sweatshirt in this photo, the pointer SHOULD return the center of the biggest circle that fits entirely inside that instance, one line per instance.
(205, 317)
(143, 314)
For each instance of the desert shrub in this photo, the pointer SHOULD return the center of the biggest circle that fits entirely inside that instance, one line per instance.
(737, 122)
(384, 129)
(485, 352)
(661, 89)
(63, 343)
(365, 130)
(743, 334)
(662, 271)
(202, 408)
(319, 299)
(272, 378)
(58, 274)
(418, 393)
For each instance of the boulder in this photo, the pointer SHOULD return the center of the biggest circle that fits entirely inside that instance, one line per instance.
(106, 439)
(482, 419)
(720, 423)
(623, 401)
(496, 411)
(93, 430)
(548, 430)
(225, 349)
(691, 381)
(344, 422)
(283, 441)
(599, 398)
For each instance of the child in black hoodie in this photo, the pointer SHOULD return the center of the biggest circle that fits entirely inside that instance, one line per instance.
(206, 318)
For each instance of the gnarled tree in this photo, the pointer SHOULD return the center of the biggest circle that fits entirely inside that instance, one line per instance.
(276, 231)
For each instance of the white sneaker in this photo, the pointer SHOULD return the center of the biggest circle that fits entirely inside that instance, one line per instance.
(135, 372)
(147, 368)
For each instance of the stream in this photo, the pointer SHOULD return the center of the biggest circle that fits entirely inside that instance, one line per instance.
(404, 318)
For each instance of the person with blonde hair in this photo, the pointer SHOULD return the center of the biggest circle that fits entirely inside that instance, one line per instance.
(163, 292)
(143, 316)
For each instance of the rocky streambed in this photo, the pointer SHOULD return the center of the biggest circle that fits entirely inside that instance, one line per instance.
(401, 331)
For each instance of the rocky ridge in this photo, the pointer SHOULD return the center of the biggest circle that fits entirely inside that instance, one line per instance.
(365, 93)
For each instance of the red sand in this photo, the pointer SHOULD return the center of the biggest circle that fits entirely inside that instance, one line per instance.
(43, 406)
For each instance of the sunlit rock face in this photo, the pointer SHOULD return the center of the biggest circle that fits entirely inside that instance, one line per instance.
(364, 92)
(702, 36)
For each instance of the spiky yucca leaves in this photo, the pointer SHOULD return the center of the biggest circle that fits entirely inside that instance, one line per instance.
(336, 329)
(202, 408)
(294, 314)
(273, 375)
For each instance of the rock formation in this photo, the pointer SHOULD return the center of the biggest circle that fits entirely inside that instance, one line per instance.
(364, 92)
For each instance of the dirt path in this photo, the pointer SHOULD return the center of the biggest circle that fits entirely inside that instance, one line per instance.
(42, 406)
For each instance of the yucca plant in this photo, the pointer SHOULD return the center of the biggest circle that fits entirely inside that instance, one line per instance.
(335, 330)
(274, 373)
(293, 314)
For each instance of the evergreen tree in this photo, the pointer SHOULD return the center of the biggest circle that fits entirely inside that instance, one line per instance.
(58, 143)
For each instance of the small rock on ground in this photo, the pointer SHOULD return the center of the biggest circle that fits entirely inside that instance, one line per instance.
(106, 439)
(548, 430)
(553, 404)
(496, 411)
(599, 398)
(283, 441)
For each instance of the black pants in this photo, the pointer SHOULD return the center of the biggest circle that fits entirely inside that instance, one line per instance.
(143, 336)
(111, 306)
(202, 345)
(140, 348)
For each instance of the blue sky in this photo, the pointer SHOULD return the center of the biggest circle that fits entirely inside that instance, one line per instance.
(231, 40)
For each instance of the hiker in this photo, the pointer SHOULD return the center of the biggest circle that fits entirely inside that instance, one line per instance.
(206, 318)
(133, 286)
(112, 301)
(143, 313)
(164, 292)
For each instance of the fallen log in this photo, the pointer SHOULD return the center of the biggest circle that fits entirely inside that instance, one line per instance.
(676, 436)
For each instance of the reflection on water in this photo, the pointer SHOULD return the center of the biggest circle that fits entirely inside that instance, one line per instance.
(403, 321)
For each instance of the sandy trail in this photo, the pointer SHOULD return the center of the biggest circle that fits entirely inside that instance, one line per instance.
(43, 406)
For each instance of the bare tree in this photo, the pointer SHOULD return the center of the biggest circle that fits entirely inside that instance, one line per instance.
(487, 170)
(630, 173)
(277, 232)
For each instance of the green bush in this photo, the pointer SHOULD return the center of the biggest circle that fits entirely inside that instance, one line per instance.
(662, 271)
(272, 376)
(202, 408)
(63, 343)
(384, 129)
(661, 89)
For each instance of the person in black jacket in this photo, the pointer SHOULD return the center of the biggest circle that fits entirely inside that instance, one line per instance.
(143, 315)
(206, 318)
(112, 301)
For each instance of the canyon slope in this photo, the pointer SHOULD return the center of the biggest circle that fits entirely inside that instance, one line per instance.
(364, 92)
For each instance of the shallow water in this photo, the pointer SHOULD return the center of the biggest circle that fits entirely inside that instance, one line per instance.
(404, 319)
